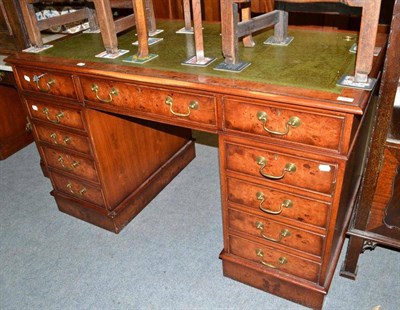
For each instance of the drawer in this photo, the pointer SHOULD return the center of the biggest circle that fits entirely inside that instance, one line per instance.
(281, 168)
(161, 103)
(273, 259)
(47, 82)
(70, 163)
(77, 189)
(275, 233)
(266, 201)
(268, 120)
(54, 114)
(63, 139)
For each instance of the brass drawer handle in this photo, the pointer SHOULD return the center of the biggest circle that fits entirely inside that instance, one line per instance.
(74, 164)
(67, 140)
(293, 122)
(193, 105)
(284, 232)
(281, 260)
(53, 135)
(113, 92)
(81, 192)
(28, 126)
(2, 75)
(287, 203)
(57, 118)
(289, 167)
(50, 82)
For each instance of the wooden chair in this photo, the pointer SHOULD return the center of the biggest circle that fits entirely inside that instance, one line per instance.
(100, 17)
(34, 26)
(142, 16)
(233, 29)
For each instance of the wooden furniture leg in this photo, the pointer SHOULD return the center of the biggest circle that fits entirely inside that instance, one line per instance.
(139, 9)
(367, 38)
(28, 13)
(151, 19)
(107, 26)
(354, 249)
(142, 17)
(187, 15)
(247, 40)
(232, 30)
(199, 59)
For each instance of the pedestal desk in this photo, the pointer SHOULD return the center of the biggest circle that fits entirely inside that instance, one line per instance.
(291, 143)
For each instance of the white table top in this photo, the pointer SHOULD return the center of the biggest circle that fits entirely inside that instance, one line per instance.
(3, 65)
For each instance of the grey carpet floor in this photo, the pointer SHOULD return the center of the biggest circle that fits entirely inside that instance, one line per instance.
(166, 258)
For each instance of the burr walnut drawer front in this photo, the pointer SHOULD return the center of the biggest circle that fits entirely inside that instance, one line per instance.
(275, 233)
(47, 82)
(77, 165)
(161, 103)
(54, 114)
(268, 120)
(63, 139)
(265, 201)
(274, 259)
(77, 189)
(277, 166)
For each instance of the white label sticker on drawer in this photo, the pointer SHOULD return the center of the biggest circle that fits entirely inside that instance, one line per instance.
(345, 99)
(324, 168)
(27, 78)
(34, 107)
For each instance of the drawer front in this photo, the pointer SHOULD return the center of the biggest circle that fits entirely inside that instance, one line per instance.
(70, 163)
(47, 82)
(56, 115)
(282, 168)
(274, 259)
(266, 120)
(63, 139)
(278, 204)
(275, 233)
(161, 103)
(77, 189)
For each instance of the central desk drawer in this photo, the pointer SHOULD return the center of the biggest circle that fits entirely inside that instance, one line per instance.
(279, 167)
(160, 103)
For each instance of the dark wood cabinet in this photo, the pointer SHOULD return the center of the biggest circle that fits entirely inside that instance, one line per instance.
(14, 125)
(376, 219)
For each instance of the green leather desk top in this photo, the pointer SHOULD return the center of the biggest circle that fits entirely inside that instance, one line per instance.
(314, 60)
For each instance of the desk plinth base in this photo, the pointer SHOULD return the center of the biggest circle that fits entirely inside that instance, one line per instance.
(300, 292)
(116, 220)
